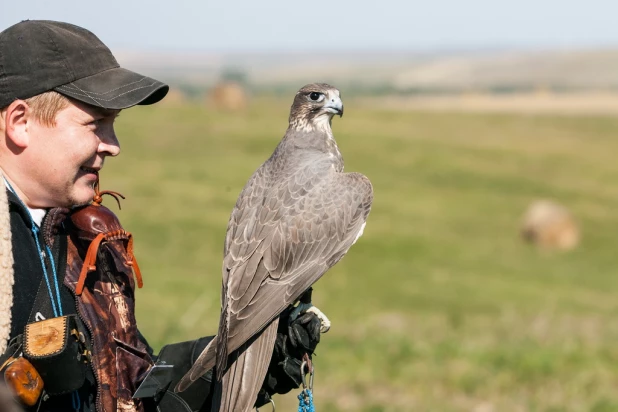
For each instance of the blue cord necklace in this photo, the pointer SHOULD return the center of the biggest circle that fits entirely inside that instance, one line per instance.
(56, 305)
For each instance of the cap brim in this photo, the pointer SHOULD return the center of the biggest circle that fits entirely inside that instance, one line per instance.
(116, 88)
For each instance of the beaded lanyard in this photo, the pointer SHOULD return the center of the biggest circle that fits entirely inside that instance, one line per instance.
(305, 398)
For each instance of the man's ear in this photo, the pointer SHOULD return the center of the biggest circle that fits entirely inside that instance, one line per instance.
(16, 124)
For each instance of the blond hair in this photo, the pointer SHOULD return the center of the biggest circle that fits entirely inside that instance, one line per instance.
(44, 107)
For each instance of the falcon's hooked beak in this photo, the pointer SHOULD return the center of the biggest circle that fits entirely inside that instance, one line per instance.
(334, 106)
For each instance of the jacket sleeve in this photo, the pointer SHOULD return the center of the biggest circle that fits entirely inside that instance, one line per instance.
(149, 349)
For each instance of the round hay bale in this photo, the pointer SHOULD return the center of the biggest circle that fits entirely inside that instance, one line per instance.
(550, 225)
(229, 96)
(174, 97)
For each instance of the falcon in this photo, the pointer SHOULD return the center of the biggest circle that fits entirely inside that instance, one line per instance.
(296, 217)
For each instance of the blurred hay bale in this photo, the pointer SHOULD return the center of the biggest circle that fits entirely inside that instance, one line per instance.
(174, 97)
(550, 225)
(229, 96)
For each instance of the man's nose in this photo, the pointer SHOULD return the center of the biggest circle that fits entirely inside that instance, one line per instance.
(109, 144)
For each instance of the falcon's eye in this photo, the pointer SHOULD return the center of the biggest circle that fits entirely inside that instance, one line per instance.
(315, 96)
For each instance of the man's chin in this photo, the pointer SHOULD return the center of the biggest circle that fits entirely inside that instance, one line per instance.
(82, 197)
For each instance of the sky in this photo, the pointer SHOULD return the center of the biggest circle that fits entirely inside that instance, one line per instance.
(335, 25)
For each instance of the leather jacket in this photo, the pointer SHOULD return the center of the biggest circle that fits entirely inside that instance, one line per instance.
(106, 305)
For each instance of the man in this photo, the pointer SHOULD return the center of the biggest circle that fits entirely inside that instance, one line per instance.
(65, 261)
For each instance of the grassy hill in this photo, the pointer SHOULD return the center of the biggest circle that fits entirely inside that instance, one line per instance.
(391, 71)
(439, 306)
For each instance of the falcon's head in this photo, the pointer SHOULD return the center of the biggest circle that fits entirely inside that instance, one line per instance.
(314, 107)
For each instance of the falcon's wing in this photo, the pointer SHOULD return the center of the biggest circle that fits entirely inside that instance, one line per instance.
(277, 245)
(277, 249)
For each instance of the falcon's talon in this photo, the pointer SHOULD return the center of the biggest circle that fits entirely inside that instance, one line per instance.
(324, 321)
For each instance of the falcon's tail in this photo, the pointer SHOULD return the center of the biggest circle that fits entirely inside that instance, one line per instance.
(203, 364)
(245, 375)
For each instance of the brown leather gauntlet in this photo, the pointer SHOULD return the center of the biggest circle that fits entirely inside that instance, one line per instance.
(94, 225)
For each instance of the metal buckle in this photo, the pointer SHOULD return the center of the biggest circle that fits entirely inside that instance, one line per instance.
(311, 373)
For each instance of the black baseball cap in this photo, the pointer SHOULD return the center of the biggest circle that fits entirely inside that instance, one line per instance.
(37, 56)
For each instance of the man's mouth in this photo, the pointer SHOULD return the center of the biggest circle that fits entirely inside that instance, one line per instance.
(89, 170)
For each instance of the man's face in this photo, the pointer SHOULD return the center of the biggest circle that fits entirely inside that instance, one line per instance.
(65, 159)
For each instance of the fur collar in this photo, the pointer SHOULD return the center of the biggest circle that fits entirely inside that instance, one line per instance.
(6, 268)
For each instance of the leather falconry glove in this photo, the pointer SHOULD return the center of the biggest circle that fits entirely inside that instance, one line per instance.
(295, 338)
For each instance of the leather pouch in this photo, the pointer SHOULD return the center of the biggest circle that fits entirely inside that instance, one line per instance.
(56, 348)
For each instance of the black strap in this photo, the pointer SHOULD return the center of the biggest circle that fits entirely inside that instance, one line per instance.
(42, 306)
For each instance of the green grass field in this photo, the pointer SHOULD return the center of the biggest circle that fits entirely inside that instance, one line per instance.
(439, 306)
